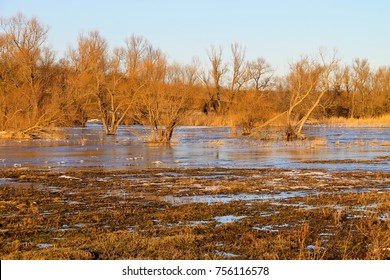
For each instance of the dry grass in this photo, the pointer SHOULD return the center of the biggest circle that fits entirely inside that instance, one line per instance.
(200, 119)
(382, 121)
(50, 216)
(51, 133)
(319, 142)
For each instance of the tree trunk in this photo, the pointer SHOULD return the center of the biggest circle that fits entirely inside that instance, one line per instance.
(304, 119)
(353, 105)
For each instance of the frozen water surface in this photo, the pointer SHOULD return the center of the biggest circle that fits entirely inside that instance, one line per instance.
(44, 245)
(227, 198)
(195, 147)
(228, 219)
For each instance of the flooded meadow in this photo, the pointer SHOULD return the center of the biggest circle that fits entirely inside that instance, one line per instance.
(211, 194)
(202, 147)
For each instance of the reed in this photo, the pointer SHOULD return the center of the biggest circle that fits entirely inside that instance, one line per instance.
(381, 121)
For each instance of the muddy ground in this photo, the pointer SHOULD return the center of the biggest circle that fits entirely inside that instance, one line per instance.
(203, 213)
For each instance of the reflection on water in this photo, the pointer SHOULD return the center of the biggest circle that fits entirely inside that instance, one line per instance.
(201, 147)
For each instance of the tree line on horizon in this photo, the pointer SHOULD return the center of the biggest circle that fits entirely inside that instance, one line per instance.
(135, 84)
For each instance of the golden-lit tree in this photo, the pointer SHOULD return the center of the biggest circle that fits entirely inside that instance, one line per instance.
(238, 76)
(25, 65)
(213, 80)
(381, 91)
(102, 79)
(308, 81)
(135, 83)
(250, 108)
(305, 86)
(362, 87)
(166, 97)
(259, 74)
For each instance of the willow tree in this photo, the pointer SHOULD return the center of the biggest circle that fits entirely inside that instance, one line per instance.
(238, 74)
(212, 79)
(102, 79)
(362, 83)
(166, 96)
(308, 81)
(381, 92)
(25, 62)
(306, 84)
(259, 74)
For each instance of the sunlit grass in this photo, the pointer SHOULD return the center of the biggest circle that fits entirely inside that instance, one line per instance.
(335, 216)
(382, 121)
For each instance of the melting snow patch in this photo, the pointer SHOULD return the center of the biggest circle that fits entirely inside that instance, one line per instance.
(69, 177)
(196, 223)
(266, 228)
(225, 254)
(326, 234)
(169, 174)
(313, 247)
(130, 229)
(228, 219)
(6, 180)
(80, 225)
(44, 245)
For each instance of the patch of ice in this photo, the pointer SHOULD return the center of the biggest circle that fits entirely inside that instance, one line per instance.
(266, 228)
(273, 182)
(196, 223)
(45, 213)
(115, 193)
(326, 234)
(170, 174)
(226, 198)
(313, 247)
(225, 254)
(134, 158)
(228, 219)
(80, 225)
(6, 180)
(130, 229)
(69, 177)
(211, 188)
(44, 245)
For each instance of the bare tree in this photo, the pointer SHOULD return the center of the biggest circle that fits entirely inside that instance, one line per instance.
(308, 81)
(163, 104)
(24, 63)
(259, 74)
(89, 63)
(218, 70)
(381, 90)
(313, 78)
(136, 52)
(238, 77)
(250, 109)
(104, 77)
(362, 86)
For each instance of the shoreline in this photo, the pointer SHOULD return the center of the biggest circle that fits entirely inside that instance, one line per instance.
(377, 122)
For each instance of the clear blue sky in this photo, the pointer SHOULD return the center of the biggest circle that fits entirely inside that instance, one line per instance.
(280, 31)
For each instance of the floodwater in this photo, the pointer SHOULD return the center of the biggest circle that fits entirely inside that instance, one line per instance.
(338, 149)
(227, 198)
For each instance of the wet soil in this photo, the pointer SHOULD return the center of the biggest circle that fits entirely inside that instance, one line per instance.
(194, 213)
